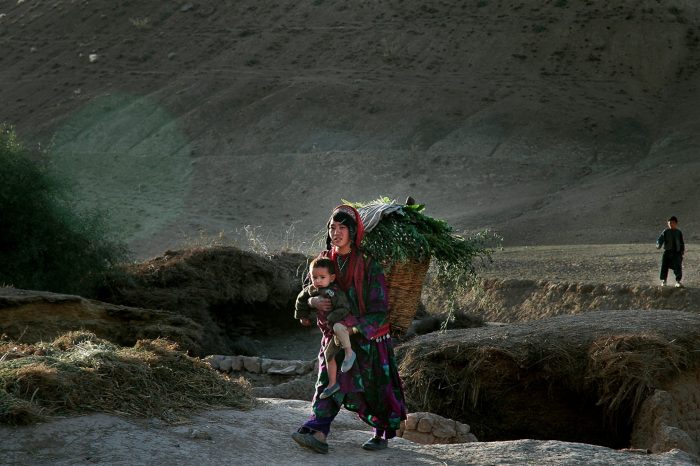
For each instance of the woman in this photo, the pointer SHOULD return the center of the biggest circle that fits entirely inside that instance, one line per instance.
(372, 388)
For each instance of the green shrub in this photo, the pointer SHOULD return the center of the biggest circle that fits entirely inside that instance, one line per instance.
(46, 243)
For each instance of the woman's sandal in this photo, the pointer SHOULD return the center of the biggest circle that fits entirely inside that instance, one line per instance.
(309, 441)
(375, 444)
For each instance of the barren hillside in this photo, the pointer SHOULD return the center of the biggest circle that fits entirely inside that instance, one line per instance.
(553, 122)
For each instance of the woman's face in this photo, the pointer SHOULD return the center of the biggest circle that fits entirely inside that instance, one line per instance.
(340, 237)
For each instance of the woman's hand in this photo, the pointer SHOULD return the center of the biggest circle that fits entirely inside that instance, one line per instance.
(305, 322)
(320, 304)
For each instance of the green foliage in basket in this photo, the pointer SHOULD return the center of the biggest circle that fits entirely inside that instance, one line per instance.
(410, 235)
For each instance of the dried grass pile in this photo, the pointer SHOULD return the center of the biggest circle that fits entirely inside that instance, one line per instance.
(79, 373)
(574, 378)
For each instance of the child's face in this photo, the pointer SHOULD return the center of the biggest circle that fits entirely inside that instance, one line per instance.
(321, 277)
(672, 225)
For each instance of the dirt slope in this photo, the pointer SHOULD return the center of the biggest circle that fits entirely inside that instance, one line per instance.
(564, 121)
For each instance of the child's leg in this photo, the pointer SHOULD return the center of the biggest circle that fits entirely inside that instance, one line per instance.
(665, 265)
(332, 367)
(341, 333)
(678, 267)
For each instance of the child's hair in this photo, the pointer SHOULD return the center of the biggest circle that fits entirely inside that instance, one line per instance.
(323, 262)
(673, 219)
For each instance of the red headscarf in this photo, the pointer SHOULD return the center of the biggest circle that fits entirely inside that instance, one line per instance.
(355, 265)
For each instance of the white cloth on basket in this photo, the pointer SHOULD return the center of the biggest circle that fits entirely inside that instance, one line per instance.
(372, 213)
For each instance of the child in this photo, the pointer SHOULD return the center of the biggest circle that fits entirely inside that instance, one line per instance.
(671, 240)
(334, 324)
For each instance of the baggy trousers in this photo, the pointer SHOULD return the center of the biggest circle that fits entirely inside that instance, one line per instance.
(671, 260)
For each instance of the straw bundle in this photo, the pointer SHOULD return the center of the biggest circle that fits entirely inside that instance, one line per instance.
(80, 373)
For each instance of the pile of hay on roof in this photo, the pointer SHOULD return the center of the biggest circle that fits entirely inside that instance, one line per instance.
(230, 292)
(575, 378)
(80, 373)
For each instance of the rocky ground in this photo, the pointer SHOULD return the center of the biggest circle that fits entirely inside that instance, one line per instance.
(262, 436)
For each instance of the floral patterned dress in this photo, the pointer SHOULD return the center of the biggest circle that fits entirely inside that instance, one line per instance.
(372, 388)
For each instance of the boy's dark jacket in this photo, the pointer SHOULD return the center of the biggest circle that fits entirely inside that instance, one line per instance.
(666, 241)
(339, 300)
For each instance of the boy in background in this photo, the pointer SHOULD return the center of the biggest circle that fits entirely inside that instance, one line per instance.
(671, 240)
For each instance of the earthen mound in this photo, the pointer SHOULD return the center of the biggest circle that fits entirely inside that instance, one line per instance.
(583, 378)
(514, 300)
(28, 316)
(230, 292)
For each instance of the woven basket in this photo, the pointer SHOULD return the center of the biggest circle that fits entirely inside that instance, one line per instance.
(404, 284)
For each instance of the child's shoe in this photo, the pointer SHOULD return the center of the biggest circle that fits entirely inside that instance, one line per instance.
(348, 362)
(663, 282)
(329, 391)
(679, 285)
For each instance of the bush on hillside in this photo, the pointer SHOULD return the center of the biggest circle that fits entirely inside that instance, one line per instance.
(46, 243)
